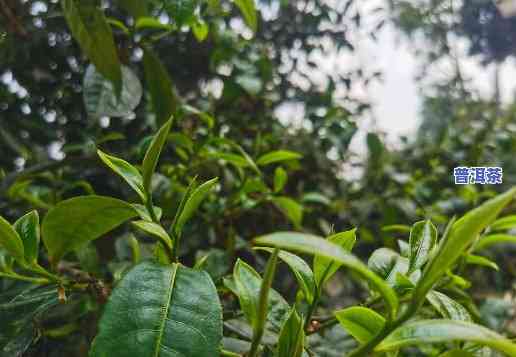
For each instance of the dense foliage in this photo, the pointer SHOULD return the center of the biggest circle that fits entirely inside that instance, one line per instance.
(181, 217)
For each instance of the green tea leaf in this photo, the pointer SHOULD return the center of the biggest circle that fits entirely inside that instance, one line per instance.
(151, 23)
(144, 213)
(462, 233)
(447, 307)
(301, 270)
(457, 353)
(100, 98)
(441, 331)
(481, 261)
(423, 237)
(504, 223)
(494, 239)
(192, 203)
(182, 11)
(290, 208)
(310, 244)
(277, 156)
(246, 285)
(200, 29)
(360, 322)
(152, 155)
(161, 310)
(76, 221)
(128, 172)
(324, 268)
(27, 227)
(159, 84)
(388, 264)
(93, 33)
(248, 10)
(292, 336)
(11, 241)
(280, 179)
(155, 230)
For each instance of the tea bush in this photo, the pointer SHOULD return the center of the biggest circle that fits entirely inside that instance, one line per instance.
(201, 239)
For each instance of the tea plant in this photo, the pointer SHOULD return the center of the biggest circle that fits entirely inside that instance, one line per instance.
(162, 307)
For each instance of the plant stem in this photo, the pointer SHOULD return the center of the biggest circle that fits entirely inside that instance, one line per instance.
(29, 279)
(263, 302)
(311, 309)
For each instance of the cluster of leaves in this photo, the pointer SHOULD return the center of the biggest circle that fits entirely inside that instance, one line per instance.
(186, 280)
(161, 306)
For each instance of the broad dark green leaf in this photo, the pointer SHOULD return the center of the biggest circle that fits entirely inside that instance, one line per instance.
(76, 221)
(462, 233)
(280, 179)
(440, 331)
(324, 268)
(504, 223)
(481, 261)
(292, 336)
(315, 245)
(159, 84)
(494, 239)
(11, 241)
(128, 172)
(447, 307)
(290, 208)
(93, 33)
(360, 322)
(248, 10)
(161, 310)
(152, 155)
(277, 156)
(27, 227)
(301, 270)
(192, 203)
(100, 96)
(20, 308)
(155, 230)
(423, 237)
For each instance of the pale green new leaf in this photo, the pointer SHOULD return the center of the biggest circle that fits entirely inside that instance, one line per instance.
(144, 213)
(423, 237)
(447, 307)
(442, 331)
(301, 270)
(11, 241)
(152, 155)
(128, 172)
(290, 208)
(504, 223)
(248, 10)
(155, 230)
(360, 322)
(481, 261)
(191, 204)
(462, 233)
(292, 336)
(324, 268)
(277, 156)
(310, 244)
(161, 310)
(494, 239)
(74, 222)
(28, 230)
(280, 179)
